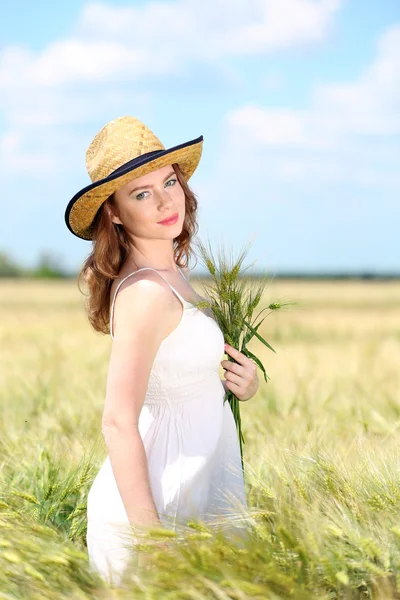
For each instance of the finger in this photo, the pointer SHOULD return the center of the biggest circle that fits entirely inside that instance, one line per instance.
(228, 365)
(232, 377)
(246, 371)
(235, 388)
(238, 356)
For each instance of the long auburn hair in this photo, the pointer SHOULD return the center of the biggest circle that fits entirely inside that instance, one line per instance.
(110, 248)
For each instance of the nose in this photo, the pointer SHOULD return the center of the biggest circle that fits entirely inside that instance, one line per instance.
(165, 199)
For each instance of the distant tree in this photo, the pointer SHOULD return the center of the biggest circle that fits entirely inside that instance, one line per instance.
(8, 267)
(48, 266)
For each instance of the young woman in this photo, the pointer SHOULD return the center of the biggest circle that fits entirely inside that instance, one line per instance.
(173, 449)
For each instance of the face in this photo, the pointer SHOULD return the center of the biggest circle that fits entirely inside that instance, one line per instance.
(140, 204)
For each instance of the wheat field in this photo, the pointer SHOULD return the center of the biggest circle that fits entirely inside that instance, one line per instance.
(321, 453)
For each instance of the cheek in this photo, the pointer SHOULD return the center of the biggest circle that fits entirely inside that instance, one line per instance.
(138, 216)
(180, 195)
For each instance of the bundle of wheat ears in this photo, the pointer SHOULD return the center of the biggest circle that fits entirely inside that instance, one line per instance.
(233, 298)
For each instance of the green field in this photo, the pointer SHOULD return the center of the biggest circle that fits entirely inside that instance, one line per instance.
(322, 452)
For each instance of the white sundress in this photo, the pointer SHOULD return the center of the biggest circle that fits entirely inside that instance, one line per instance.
(190, 439)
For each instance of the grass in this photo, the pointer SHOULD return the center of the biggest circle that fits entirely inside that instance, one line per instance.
(321, 453)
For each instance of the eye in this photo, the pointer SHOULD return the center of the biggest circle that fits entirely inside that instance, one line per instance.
(141, 193)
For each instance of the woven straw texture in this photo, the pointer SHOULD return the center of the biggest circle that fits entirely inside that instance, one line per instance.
(117, 143)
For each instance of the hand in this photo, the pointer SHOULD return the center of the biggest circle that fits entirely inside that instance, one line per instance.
(242, 378)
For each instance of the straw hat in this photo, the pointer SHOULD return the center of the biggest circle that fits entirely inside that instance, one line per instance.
(121, 151)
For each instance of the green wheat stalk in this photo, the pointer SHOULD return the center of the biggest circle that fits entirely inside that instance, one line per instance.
(233, 298)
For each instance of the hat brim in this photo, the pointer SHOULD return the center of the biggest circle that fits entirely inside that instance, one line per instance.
(82, 208)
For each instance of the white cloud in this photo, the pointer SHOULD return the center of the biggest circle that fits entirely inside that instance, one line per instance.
(372, 103)
(75, 60)
(16, 158)
(350, 132)
(190, 29)
(112, 43)
(112, 49)
(271, 127)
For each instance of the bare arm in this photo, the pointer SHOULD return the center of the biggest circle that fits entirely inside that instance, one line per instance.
(139, 314)
(129, 463)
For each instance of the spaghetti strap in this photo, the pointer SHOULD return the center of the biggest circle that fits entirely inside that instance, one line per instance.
(184, 302)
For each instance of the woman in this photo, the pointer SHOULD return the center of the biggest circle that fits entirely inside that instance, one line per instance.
(173, 449)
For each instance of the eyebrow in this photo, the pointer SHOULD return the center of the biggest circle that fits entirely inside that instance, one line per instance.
(150, 186)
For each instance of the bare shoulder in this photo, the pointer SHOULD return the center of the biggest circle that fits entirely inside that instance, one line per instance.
(141, 304)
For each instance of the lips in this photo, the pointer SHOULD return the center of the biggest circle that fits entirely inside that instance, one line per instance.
(171, 218)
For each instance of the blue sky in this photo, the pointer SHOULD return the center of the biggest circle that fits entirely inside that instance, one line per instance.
(298, 102)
